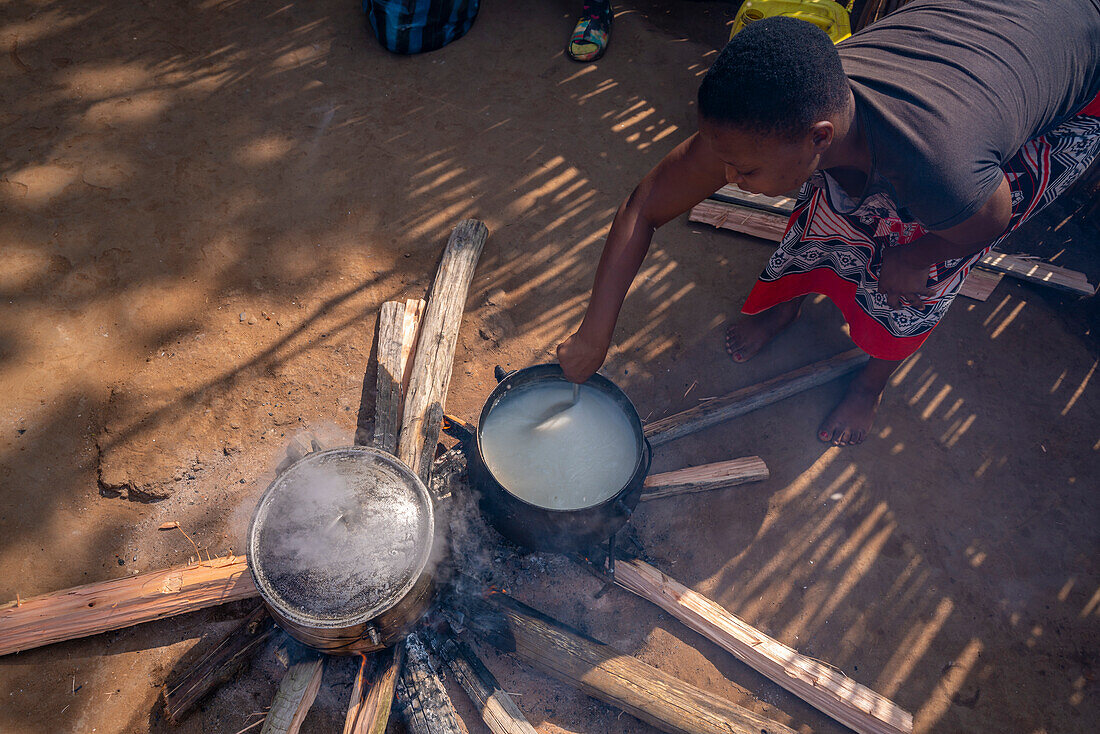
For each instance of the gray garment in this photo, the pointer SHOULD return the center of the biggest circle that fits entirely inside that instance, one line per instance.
(948, 90)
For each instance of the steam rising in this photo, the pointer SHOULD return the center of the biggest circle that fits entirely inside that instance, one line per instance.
(340, 535)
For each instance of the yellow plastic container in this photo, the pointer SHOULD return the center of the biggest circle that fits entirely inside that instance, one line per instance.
(827, 15)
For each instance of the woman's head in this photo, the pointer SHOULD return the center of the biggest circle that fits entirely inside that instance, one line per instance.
(770, 103)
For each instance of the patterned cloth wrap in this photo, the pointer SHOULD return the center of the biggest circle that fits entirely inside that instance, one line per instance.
(839, 254)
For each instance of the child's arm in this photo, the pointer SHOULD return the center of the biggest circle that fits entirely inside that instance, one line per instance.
(681, 180)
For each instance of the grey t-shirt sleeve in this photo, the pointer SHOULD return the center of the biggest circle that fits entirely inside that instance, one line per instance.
(947, 91)
(950, 191)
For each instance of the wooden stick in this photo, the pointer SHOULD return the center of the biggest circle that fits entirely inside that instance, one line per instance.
(427, 707)
(296, 693)
(398, 325)
(497, 709)
(431, 370)
(750, 398)
(183, 691)
(706, 477)
(734, 194)
(854, 705)
(1039, 272)
(359, 686)
(369, 713)
(111, 605)
(764, 224)
(603, 672)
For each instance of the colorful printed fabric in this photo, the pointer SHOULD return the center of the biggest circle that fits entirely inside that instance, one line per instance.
(839, 254)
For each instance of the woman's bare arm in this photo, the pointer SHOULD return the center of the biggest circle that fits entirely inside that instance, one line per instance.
(683, 178)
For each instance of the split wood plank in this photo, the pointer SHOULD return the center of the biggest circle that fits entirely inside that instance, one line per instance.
(1039, 272)
(747, 399)
(604, 672)
(497, 709)
(852, 704)
(398, 325)
(111, 605)
(979, 284)
(295, 696)
(434, 357)
(764, 224)
(359, 686)
(706, 477)
(217, 665)
(426, 705)
(372, 699)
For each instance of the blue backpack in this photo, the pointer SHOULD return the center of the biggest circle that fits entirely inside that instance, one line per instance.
(416, 26)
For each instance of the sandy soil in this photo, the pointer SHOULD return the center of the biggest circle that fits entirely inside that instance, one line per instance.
(204, 206)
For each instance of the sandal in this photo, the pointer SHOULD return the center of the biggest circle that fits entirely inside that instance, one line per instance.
(592, 33)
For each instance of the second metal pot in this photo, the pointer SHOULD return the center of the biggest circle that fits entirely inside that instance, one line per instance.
(342, 549)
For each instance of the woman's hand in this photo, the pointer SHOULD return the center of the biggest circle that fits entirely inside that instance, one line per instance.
(581, 356)
(902, 281)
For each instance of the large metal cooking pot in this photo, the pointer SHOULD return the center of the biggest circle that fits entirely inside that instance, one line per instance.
(543, 528)
(341, 549)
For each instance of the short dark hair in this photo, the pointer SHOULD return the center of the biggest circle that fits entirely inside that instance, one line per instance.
(776, 76)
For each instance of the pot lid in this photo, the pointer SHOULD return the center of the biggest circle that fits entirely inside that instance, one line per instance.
(340, 537)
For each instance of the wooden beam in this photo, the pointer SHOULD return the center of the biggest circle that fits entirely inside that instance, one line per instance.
(217, 665)
(747, 399)
(296, 693)
(497, 709)
(398, 325)
(767, 216)
(703, 478)
(372, 695)
(431, 366)
(830, 691)
(603, 672)
(1039, 272)
(426, 706)
(111, 605)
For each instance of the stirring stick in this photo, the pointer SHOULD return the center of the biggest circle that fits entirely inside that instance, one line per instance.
(560, 408)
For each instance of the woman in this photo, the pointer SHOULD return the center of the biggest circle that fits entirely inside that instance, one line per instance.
(919, 144)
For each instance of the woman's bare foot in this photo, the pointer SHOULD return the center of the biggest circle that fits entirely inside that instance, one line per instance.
(850, 422)
(749, 334)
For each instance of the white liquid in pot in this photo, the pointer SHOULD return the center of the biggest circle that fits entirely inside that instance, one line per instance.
(577, 458)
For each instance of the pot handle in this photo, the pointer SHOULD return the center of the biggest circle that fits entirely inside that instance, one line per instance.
(501, 374)
(459, 429)
(648, 455)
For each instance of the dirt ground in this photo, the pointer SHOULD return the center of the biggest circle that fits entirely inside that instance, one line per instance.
(204, 205)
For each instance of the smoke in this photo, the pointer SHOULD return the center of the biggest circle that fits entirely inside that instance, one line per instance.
(302, 442)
